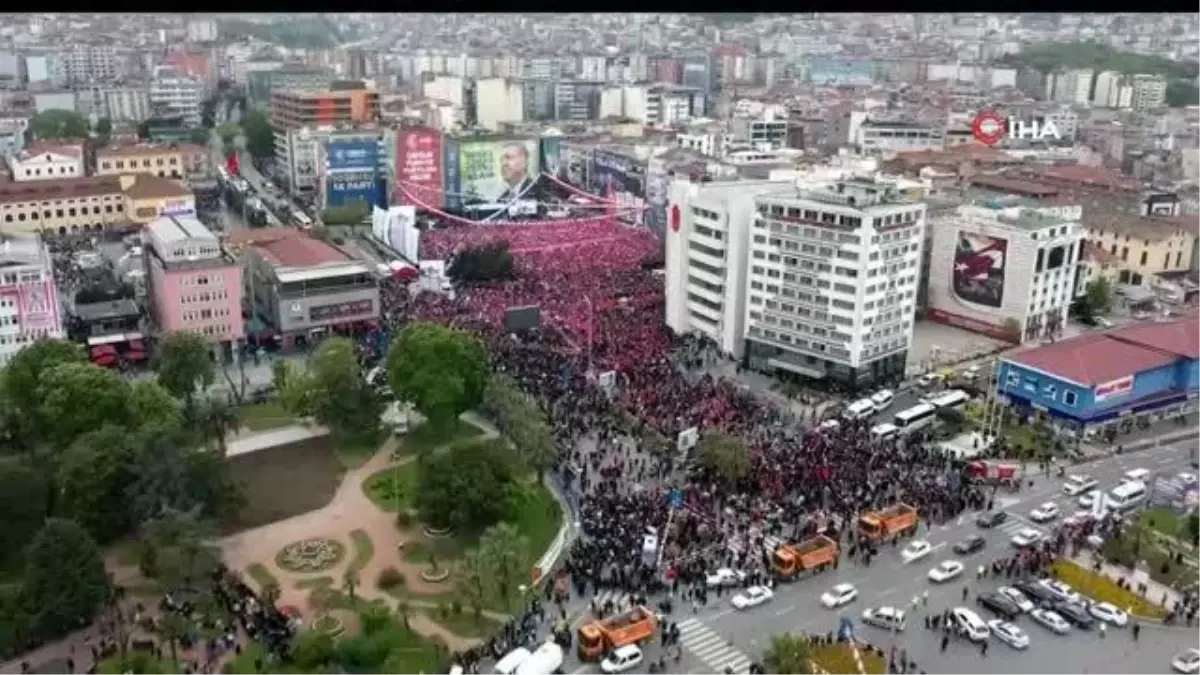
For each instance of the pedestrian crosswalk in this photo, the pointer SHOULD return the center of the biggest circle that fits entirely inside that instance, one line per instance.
(620, 599)
(770, 543)
(711, 648)
(1015, 524)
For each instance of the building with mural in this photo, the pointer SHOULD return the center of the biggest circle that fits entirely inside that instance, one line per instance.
(1008, 273)
(490, 173)
(29, 307)
(351, 167)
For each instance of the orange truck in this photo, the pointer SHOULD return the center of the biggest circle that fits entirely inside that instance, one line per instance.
(811, 554)
(891, 522)
(627, 628)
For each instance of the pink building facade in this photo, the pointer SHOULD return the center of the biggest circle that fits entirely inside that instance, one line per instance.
(193, 284)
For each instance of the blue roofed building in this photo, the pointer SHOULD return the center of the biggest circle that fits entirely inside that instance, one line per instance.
(1099, 378)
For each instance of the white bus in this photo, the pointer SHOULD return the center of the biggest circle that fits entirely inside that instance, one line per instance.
(1126, 496)
(917, 417)
(300, 220)
(953, 399)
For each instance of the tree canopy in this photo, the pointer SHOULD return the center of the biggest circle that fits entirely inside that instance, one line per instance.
(59, 124)
(334, 392)
(486, 262)
(351, 214)
(260, 137)
(440, 371)
(788, 653)
(726, 456)
(1098, 56)
(184, 364)
(64, 579)
(465, 486)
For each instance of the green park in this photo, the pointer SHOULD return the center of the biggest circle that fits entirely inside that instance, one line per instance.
(389, 550)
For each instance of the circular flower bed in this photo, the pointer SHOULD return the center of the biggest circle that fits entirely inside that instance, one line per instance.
(310, 555)
(329, 624)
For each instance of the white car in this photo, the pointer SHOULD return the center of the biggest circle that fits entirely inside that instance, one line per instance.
(725, 577)
(1045, 512)
(1017, 597)
(1051, 620)
(1026, 537)
(1059, 590)
(752, 597)
(1186, 662)
(1109, 613)
(829, 425)
(888, 618)
(622, 659)
(839, 595)
(945, 571)
(1077, 484)
(1088, 498)
(929, 379)
(971, 373)
(882, 398)
(1186, 478)
(916, 550)
(1009, 633)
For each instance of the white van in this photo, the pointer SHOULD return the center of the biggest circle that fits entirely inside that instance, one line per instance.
(1135, 475)
(861, 408)
(511, 661)
(970, 625)
(882, 432)
(829, 425)
(546, 660)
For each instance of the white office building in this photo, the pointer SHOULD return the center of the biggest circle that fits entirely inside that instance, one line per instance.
(707, 256)
(1007, 272)
(833, 278)
(129, 104)
(1149, 92)
(176, 94)
(883, 137)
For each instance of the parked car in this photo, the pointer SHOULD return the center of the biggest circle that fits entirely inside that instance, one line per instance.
(1009, 633)
(622, 659)
(1017, 598)
(1026, 537)
(999, 605)
(1076, 613)
(1050, 620)
(1059, 590)
(1044, 513)
(1075, 485)
(1187, 662)
(1109, 613)
(1035, 592)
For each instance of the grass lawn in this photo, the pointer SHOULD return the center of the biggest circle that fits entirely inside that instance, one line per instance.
(393, 487)
(308, 470)
(261, 575)
(425, 437)
(1163, 520)
(1104, 589)
(314, 583)
(537, 517)
(839, 658)
(464, 623)
(265, 416)
(354, 456)
(364, 548)
(417, 552)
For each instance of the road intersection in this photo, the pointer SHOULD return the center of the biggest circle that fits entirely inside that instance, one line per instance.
(717, 636)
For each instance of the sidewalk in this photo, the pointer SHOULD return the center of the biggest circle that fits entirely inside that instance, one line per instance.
(1156, 593)
(1166, 432)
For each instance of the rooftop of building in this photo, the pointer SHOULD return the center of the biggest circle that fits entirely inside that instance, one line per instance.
(139, 149)
(1093, 177)
(1100, 357)
(291, 249)
(1147, 228)
(67, 148)
(107, 310)
(148, 186)
(21, 249)
(179, 228)
(66, 188)
(316, 95)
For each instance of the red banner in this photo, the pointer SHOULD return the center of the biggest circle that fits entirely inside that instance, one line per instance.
(419, 165)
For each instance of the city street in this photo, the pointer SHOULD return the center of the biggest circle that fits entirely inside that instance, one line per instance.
(719, 636)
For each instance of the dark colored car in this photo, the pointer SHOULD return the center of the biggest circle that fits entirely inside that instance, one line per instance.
(1039, 594)
(1075, 613)
(999, 605)
(991, 518)
(970, 545)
